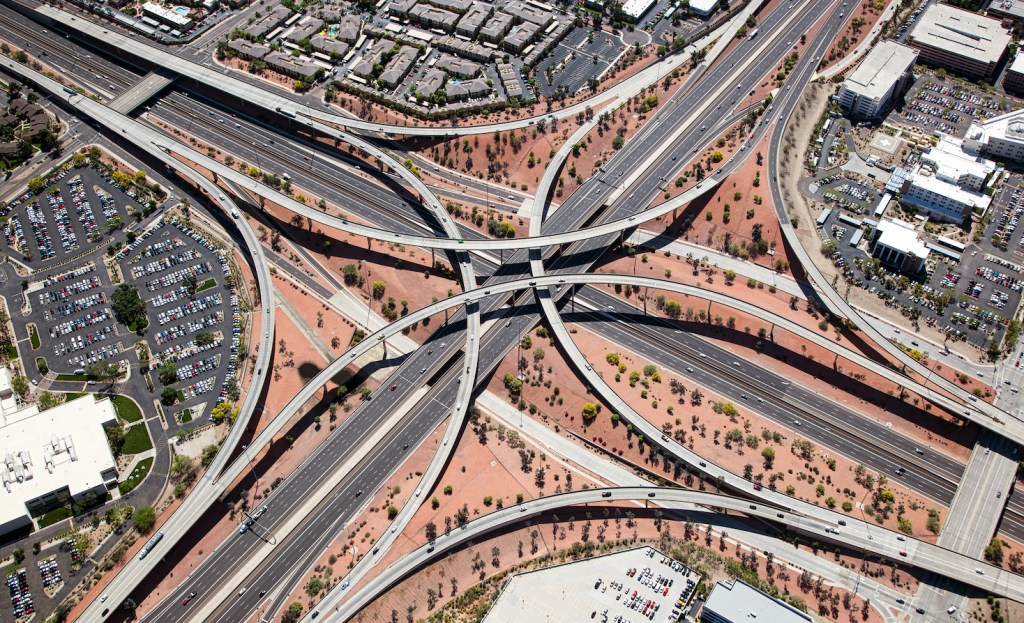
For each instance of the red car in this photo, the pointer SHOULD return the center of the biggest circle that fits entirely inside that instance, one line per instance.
(394, 387)
(185, 601)
(903, 553)
(757, 487)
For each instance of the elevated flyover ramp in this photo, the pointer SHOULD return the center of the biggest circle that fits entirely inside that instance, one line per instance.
(151, 84)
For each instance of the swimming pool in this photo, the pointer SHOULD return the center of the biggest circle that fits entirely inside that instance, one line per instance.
(181, 10)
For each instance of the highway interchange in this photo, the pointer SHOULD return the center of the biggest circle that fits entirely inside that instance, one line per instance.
(624, 200)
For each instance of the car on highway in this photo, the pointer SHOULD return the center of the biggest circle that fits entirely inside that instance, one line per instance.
(757, 487)
(394, 387)
(902, 553)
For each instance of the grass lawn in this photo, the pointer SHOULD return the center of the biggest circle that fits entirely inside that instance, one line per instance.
(206, 285)
(41, 365)
(52, 517)
(72, 377)
(68, 397)
(34, 336)
(12, 353)
(137, 476)
(186, 416)
(136, 440)
(126, 408)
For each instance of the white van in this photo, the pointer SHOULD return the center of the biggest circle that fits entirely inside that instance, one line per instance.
(234, 213)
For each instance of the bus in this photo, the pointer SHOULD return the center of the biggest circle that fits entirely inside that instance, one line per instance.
(753, 33)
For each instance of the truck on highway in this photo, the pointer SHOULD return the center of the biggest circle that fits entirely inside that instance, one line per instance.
(148, 547)
(753, 33)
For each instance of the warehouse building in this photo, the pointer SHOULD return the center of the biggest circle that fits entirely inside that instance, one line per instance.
(878, 80)
(962, 42)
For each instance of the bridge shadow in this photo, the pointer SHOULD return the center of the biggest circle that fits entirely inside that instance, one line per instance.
(952, 427)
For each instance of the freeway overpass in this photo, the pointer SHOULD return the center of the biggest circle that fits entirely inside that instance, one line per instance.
(224, 80)
(881, 542)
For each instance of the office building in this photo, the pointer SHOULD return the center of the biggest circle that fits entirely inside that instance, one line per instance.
(740, 602)
(896, 243)
(880, 78)
(53, 458)
(1013, 79)
(1000, 138)
(959, 41)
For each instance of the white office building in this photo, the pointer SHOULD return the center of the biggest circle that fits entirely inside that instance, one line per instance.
(952, 164)
(963, 42)
(896, 243)
(740, 602)
(176, 17)
(948, 183)
(635, 9)
(703, 8)
(53, 458)
(878, 80)
(1001, 138)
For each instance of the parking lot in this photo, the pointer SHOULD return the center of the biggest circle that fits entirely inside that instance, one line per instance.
(968, 300)
(849, 192)
(580, 56)
(36, 578)
(945, 105)
(67, 219)
(635, 585)
(73, 320)
(181, 275)
(198, 332)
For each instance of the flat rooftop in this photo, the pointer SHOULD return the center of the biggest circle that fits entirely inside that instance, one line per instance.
(961, 32)
(742, 602)
(902, 237)
(881, 68)
(588, 588)
(43, 452)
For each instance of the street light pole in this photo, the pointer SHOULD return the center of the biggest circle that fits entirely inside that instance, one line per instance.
(252, 468)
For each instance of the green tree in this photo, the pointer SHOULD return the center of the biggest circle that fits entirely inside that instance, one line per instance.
(589, 412)
(730, 276)
(768, 454)
(128, 306)
(20, 385)
(169, 396)
(314, 586)
(168, 372)
(183, 469)
(115, 438)
(144, 518)
(293, 613)
(994, 551)
(378, 289)
(204, 338)
(209, 452)
(191, 284)
(103, 370)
